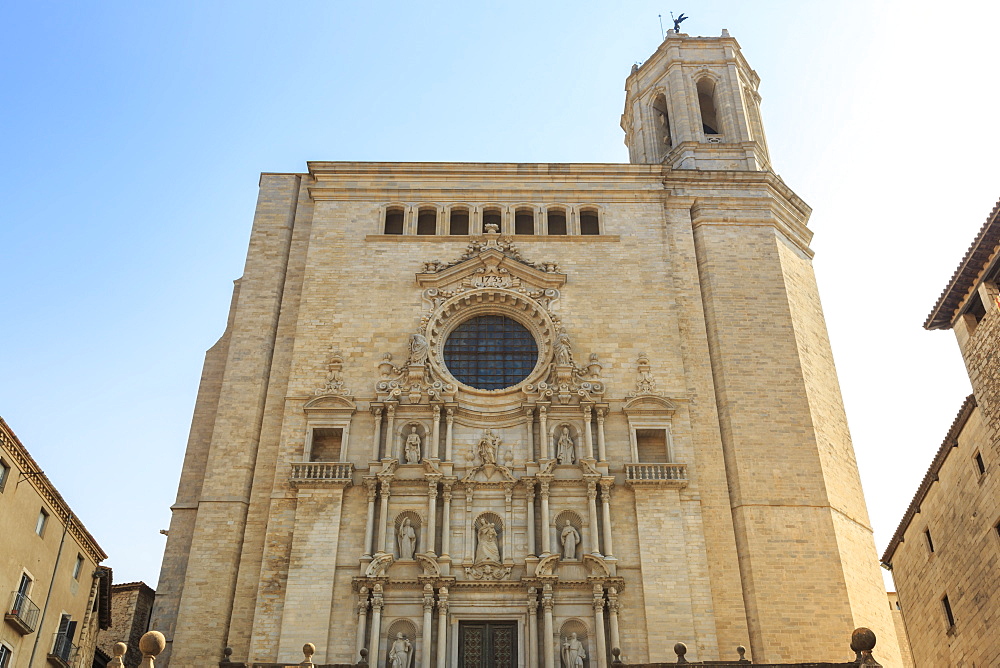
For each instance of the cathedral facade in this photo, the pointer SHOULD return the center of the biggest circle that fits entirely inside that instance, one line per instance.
(529, 414)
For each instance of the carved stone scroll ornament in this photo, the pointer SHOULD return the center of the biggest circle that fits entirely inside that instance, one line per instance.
(487, 452)
(567, 380)
(378, 565)
(334, 385)
(645, 386)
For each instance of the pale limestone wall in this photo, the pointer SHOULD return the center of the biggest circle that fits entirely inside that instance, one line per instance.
(634, 289)
(895, 609)
(960, 510)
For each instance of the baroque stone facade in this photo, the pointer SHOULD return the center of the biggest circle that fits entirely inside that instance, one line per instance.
(533, 410)
(945, 554)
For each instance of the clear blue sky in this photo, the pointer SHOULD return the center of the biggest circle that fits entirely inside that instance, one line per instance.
(134, 133)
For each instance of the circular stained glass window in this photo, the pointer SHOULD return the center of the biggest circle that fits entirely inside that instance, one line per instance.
(490, 352)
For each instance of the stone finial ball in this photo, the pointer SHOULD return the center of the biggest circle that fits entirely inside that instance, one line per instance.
(863, 640)
(119, 649)
(152, 643)
(308, 649)
(680, 649)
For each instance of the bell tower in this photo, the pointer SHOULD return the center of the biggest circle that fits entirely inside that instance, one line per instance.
(694, 105)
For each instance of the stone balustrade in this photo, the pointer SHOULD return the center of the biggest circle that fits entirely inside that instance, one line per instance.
(322, 472)
(670, 475)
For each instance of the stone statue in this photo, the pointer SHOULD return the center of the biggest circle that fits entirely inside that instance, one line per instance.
(565, 448)
(564, 353)
(488, 550)
(573, 652)
(570, 538)
(412, 448)
(399, 653)
(418, 349)
(407, 539)
(487, 448)
(678, 21)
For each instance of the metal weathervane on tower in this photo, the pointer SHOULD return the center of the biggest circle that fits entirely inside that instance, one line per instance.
(678, 21)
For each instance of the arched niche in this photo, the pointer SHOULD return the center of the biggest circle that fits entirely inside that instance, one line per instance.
(566, 631)
(481, 521)
(403, 431)
(416, 524)
(555, 435)
(576, 522)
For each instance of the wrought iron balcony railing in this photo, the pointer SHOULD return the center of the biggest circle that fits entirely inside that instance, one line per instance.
(63, 651)
(22, 614)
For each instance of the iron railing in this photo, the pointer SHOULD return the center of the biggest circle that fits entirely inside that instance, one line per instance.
(22, 613)
(63, 650)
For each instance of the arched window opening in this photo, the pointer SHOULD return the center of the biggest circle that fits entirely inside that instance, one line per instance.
(524, 221)
(557, 221)
(427, 221)
(706, 101)
(589, 222)
(393, 221)
(663, 139)
(491, 217)
(458, 222)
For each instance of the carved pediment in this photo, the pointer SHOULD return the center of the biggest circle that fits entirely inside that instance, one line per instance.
(490, 268)
(330, 404)
(649, 404)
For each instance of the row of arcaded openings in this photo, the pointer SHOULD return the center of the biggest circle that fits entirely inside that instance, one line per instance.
(524, 221)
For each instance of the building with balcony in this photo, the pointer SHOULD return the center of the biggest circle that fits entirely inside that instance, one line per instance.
(473, 414)
(945, 554)
(56, 593)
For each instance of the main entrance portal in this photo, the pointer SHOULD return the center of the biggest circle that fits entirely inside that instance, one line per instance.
(487, 644)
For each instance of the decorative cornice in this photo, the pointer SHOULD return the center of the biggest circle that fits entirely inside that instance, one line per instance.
(29, 470)
(979, 256)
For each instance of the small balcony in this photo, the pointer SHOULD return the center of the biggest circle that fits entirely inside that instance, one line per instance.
(63, 651)
(663, 475)
(22, 614)
(323, 473)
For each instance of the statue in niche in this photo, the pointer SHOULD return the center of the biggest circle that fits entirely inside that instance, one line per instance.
(564, 353)
(418, 349)
(488, 549)
(399, 653)
(412, 447)
(566, 448)
(570, 538)
(407, 539)
(573, 652)
(487, 448)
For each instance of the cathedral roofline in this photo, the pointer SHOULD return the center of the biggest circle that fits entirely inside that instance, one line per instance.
(981, 254)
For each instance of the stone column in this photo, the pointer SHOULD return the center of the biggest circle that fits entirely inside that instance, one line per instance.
(530, 412)
(613, 617)
(377, 436)
(548, 645)
(468, 524)
(370, 487)
(427, 632)
(532, 627)
(602, 648)
(529, 495)
(390, 436)
(375, 639)
(545, 449)
(442, 627)
(446, 521)
(588, 439)
(595, 545)
(383, 517)
(546, 520)
(449, 417)
(602, 454)
(432, 497)
(359, 642)
(435, 444)
(609, 550)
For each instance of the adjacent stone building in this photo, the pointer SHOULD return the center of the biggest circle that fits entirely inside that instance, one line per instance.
(131, 606)
(945, 555)
(473, 414)
(56, 594)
